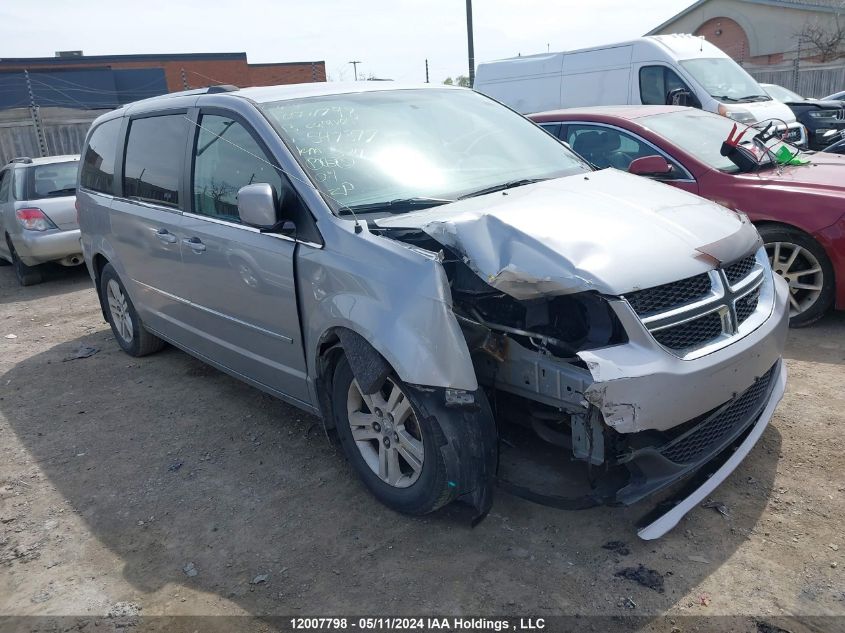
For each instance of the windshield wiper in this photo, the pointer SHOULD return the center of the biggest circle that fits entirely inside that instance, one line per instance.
(750, 98)
(395, 206)
(724, 98)
(511, 184)
(65, 190)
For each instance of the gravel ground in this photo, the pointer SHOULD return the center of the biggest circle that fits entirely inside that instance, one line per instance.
(161, 486)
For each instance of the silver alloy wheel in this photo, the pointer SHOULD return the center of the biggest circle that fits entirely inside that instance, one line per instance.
(119, 309)
(801, 270)
(387, 433)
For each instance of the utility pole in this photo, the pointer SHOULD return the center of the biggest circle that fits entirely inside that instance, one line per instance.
(355, 68)
(185, 85)
(470, 46)
(36, 118)
(796, 66)
(426, 71)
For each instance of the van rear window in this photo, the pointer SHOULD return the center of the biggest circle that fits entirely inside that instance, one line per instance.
(98, 161)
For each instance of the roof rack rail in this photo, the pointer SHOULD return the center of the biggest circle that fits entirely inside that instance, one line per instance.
(212, 90)
(26, 160)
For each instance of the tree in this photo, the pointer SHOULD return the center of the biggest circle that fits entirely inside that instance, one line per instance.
(460, 80)
(826, 38)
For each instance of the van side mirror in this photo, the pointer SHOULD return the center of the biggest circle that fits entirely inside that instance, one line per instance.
(257, 206)
(679, 97)
(650, 166)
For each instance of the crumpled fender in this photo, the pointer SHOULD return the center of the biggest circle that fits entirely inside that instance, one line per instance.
(395, 297)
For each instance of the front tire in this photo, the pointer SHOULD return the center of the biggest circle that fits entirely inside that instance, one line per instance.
(390, 444)
(803, 264)
(126, 325)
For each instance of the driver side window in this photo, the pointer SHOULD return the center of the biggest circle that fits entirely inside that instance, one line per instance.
(656, 82)
(227, 158)
(609, 147)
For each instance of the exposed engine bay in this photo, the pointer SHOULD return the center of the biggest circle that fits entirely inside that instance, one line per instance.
(527, 357)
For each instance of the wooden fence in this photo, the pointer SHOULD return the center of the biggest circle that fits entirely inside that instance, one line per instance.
(63, 129)
(813, 80)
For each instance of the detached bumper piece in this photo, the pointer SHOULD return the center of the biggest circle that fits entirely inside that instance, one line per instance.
(735, 429)
(665, 458)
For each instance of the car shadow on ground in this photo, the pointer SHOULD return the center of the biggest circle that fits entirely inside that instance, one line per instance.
(178, 468)
(58, 280)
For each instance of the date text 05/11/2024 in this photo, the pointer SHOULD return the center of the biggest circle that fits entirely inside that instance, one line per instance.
(417, 624)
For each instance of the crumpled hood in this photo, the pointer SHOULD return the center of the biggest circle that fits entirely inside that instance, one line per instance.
(607, 231)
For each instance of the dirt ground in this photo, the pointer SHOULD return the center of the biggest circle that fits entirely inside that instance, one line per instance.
(161, 486)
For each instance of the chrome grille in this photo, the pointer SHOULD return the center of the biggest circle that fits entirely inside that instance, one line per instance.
(792, 135)
(746, 305)
(670, 295)
(692, 333)
(721, 425)
(739, 270)
(698, 314)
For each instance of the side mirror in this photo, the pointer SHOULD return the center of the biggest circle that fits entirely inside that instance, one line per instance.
(679, 97)
(257, 206)
(650, 166)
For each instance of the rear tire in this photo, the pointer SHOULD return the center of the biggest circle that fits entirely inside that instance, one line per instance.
(27, 275)
(126, 325)
(407, 484)
(803, 264)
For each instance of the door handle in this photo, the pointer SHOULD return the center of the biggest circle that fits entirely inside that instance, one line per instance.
(195, 243)
(166, 236)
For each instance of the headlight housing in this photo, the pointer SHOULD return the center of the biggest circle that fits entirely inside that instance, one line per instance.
(741, 115)
(822, 114)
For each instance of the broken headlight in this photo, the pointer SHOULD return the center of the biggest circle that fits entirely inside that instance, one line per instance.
(561, 326)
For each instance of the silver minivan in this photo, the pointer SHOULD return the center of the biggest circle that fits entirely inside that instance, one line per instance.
(423, 268)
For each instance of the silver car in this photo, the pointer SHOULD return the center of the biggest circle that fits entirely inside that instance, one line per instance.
(424, 269)
(38, 215)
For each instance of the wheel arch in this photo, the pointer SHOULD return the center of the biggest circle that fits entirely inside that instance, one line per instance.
(792, 227)
(368, 365)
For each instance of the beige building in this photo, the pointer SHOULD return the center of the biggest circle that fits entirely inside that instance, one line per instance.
(761, 32)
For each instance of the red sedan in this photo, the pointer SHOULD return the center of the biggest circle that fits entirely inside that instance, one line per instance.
(798, 209)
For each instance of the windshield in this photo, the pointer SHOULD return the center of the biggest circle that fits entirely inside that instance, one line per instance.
(700, 134)
(782, 94)
(54, 180)
(724, 80)
(428, 146)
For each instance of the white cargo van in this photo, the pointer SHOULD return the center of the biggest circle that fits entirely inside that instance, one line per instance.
(656, 70)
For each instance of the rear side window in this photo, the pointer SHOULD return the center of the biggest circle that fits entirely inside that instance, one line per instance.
(154, 155)
(54, 180)
(98, 162)
(5, 179)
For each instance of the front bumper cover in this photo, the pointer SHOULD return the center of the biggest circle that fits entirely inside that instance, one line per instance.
(661, 520)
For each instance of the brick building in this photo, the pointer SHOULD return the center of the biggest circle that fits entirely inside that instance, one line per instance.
(757, 32)
(192, 70)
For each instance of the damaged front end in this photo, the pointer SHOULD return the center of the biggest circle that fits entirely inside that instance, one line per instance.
(642, 385)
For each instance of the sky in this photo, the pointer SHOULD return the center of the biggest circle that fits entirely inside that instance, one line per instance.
(391, 38)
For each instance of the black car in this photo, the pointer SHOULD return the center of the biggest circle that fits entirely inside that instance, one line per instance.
(824, 120)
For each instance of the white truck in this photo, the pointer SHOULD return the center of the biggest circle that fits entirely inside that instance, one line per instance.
(652, 70)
